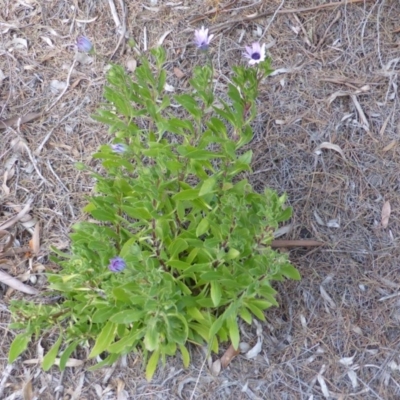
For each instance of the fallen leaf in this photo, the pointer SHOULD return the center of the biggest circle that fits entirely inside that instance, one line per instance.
(162, 38)
(13, 220)
(386, 210)
(348, 361)
(6, 243)
(57, 86)
(330, 146)
(333, 223)
(16, 284)
(353, 378)
(34, 243)
(321, 381)
(72, 362)
(326, 297)
(389, 146)
(228, 356)
(255, 350)
(131, 64)
(169, 88)
(27, 391)
(178, 73)
(14, 121)
(216, 367)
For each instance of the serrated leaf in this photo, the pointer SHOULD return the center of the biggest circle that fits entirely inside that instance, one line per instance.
(216, 293)
(152, 365)
(18, 345)
(104, 339)
(49, 358)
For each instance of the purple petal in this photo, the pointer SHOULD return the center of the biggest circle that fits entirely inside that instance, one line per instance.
(84, 44)
(117, 264)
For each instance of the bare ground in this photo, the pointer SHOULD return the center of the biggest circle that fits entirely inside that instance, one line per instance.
(327, 134)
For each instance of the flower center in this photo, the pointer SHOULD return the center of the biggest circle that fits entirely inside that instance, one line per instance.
(256, 56)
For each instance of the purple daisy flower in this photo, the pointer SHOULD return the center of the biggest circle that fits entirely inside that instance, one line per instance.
(117, 264)
(202, 39)
(84, 44)
(255, 53)
(119, 148)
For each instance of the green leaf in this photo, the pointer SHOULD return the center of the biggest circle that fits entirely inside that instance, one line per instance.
(233, 331)
(177, 246)
(202, 228)
(188, 194)
(178, 264)
(189, 104)
(123, 344)
(152, 365)
(107, 361)
(104, 339)
(256, 311)
(207, 186)
(151, 338)
(185, 355)
(217, 325)
(290, 272)
(285, 214)
(137, 212)
(216, 293)
(103, 314)
(245, 315)
(18, 345)
(102, 215)
(65, 355)
(49, 358)
(246, 157)
(127, 316)
(177, 328)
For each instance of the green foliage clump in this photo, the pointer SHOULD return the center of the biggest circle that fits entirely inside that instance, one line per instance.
(191, 236)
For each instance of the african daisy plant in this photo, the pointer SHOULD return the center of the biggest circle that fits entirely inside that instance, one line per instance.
(178, 247)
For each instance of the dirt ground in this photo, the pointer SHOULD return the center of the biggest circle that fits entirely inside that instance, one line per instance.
(327, 134)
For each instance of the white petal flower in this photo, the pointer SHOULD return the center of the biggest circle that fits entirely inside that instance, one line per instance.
(202, 39)
(255, 53)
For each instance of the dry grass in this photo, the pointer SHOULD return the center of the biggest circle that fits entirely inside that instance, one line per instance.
(336, 334)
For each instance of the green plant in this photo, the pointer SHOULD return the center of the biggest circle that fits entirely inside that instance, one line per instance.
(186, 238)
